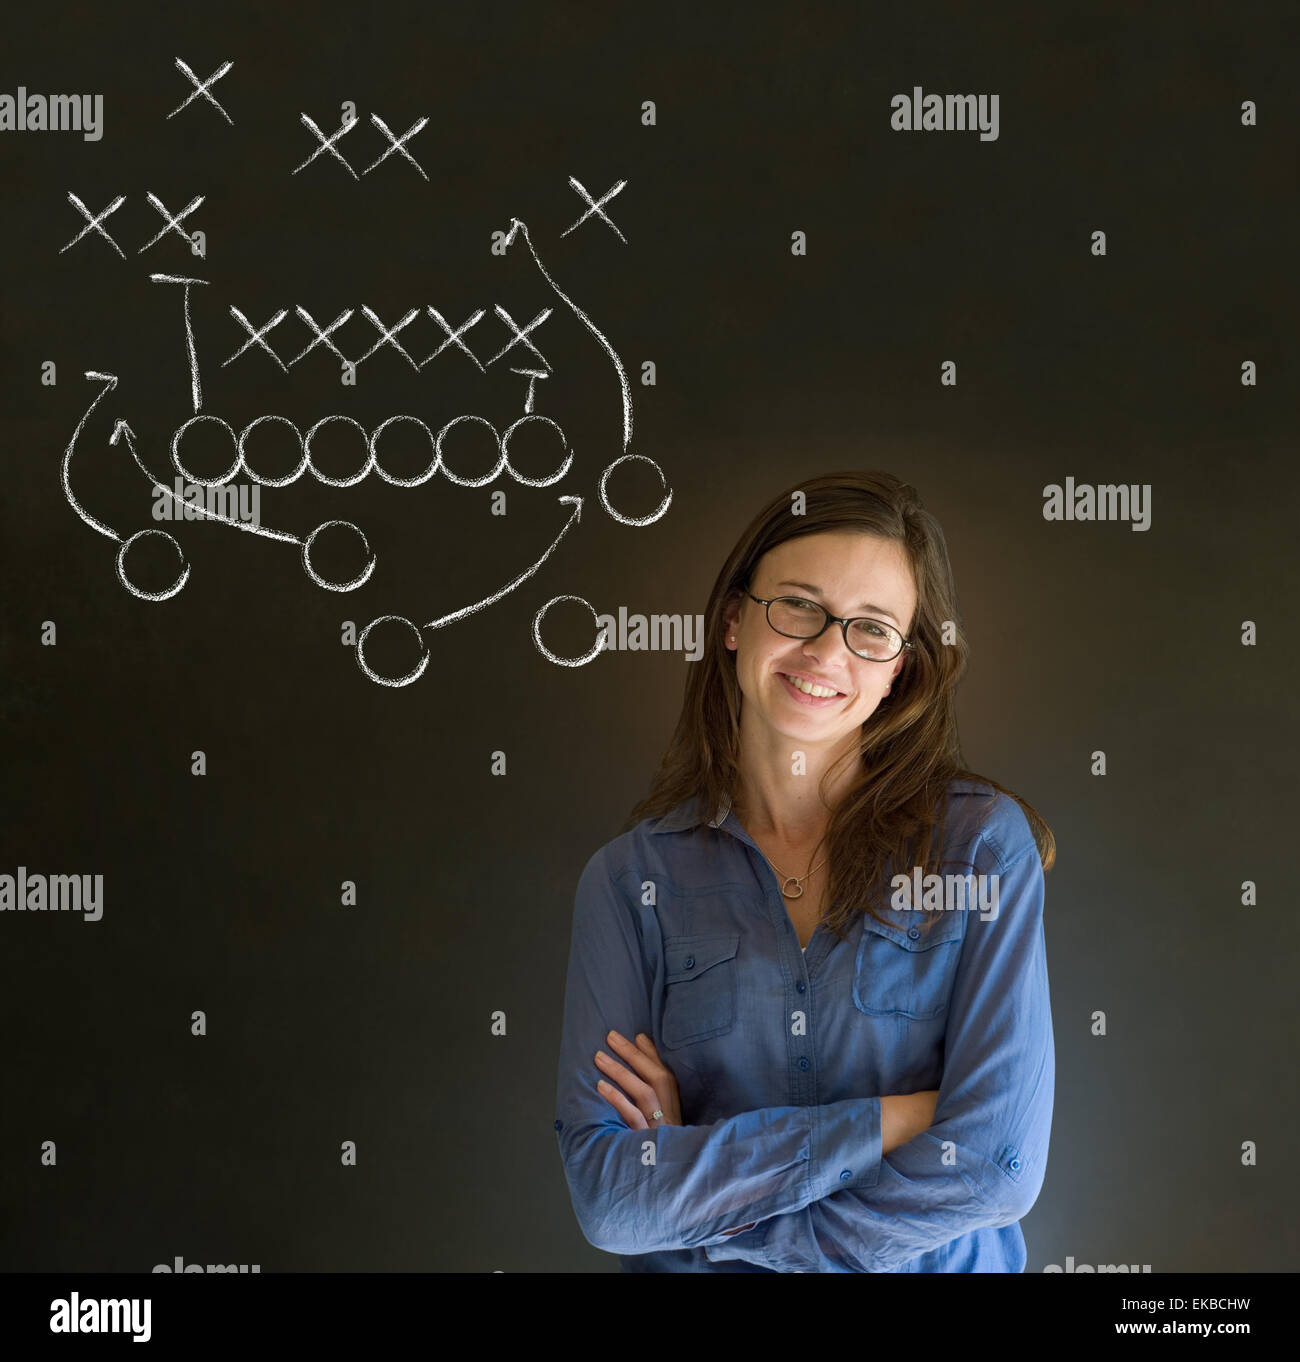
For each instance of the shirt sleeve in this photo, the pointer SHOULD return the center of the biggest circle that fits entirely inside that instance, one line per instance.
(982, 1161)
(678, 1187)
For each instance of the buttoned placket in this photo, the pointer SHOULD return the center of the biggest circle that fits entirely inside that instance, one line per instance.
(803, 1066)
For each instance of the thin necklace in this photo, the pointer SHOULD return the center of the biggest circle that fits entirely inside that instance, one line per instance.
(788, 880)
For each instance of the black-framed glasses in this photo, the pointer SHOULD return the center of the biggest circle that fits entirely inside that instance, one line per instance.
(798, 617)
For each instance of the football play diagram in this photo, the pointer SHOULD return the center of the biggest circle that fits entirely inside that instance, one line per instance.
(516, 338)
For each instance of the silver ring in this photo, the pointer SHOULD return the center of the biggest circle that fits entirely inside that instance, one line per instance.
(657, 1116)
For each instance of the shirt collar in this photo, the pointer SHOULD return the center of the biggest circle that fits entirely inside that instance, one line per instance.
(687, 815)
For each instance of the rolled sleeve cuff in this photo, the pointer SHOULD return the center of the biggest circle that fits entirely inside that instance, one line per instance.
(845, 1146)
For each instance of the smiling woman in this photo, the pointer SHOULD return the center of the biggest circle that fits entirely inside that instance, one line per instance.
(766, 1064)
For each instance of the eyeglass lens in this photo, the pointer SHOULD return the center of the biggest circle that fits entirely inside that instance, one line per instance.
(799, 618)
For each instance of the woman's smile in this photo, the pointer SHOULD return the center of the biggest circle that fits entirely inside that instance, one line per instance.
(818, 701)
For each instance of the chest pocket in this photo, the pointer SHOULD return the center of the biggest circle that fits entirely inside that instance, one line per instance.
(699, 987)
(905, 970)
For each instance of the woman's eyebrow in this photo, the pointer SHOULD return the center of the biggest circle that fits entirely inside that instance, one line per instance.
(817, 591)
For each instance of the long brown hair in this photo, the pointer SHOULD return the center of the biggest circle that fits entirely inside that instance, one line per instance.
(891, 816)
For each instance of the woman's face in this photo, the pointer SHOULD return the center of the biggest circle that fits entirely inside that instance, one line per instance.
(851, 574)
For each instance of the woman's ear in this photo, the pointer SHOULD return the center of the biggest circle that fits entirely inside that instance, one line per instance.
(729, 618)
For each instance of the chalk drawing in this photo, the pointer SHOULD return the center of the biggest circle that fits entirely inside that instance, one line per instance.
(398, 143)
(173, 224)
(454, 337)
(327, 144)
(203, 88)
(94, 223)
(595, 208)
(518, 337)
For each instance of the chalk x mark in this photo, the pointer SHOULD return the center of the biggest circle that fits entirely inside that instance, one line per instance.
(454, 337)
(322, 337)
(595, 208)
(386, 336)
(397, 143)
(93, 222)
(203, 88)
(255, 337)
(519, 336)
(327, 144)
(173, 224)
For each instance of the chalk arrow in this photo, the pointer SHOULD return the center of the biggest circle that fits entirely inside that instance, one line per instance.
(516, 226)
(122, 429)
(523, 576)
(110, 382)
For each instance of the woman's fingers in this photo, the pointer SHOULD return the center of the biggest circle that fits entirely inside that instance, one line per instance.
(625, 1109)
(631, 1083)
(643, 1057)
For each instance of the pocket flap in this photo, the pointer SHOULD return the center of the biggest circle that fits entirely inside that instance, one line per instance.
(917, 930)
(687, 957)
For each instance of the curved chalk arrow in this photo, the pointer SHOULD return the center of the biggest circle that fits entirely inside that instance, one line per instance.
(517, 226)
(122, 429)
(523, 576)
(110, 382)
(418, 670)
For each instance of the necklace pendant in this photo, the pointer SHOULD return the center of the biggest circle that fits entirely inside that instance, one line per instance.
(798, 888)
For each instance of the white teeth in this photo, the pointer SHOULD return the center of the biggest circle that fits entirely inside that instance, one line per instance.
(820, 692)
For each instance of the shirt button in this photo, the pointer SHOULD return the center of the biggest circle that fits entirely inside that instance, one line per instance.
(1015, 1165)
(846, 1176)
(801, 987)
(690, 962)
(914, 932)
(803, 1062)
(559, 1125)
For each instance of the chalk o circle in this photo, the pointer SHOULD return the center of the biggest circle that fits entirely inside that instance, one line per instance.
(182, 577)
(493, 473)
(194, 477)
(519, 477)
(632, 520)
(553, 657)
(325, 478)
(257, 477)
(321, 581)
(413, 675)
(379, 468)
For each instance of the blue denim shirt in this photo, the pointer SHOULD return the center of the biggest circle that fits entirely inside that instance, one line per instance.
(781, 1057)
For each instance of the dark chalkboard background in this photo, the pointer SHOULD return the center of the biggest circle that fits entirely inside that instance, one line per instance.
(373, 1022)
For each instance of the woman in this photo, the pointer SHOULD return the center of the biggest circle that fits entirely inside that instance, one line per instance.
(806, 1023)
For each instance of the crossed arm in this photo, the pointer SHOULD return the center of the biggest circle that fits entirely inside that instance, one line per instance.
(861, 1185)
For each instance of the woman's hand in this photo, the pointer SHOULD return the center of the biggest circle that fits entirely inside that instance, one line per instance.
(644, 1078)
